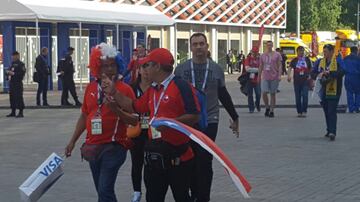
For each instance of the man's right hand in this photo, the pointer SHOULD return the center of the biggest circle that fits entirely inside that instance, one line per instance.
(69, 148)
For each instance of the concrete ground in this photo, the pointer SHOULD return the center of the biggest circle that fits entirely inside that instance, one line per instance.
(285, 158)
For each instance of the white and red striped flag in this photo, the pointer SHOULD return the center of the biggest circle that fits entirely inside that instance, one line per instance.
(205, 142)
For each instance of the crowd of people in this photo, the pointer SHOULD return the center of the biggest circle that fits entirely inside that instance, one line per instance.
(117, 117)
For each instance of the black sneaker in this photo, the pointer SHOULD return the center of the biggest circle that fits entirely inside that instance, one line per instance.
(11, 115)
(326, 135)
(267, 111)
(332, 137)
(271, 115)
(20, 115)
(258, 108)
(78, 104)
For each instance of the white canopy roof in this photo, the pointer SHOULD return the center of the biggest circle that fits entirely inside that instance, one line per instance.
(82, 11)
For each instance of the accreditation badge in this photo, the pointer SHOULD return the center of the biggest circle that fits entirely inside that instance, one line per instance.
(96, 125)
(155, 133)
(252, 75)
(267, 67)
(144, 122)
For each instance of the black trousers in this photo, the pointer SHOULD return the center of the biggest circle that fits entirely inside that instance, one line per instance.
(157, 182)
(202, 174)
(137, 159)
(68, 85)
(329, 107)
(16, 95)
(42, 89)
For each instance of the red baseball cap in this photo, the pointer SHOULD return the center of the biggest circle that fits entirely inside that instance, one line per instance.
(158, 55)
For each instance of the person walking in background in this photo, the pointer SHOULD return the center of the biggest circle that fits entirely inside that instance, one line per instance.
(228, 61)
(16, 74)
(241, 60)
(330, 74)
(302, 67)
(233, 61)
(137, 151)
(352, 80)
(134, 66)
(252, 63)
(270, 77)
(43, 72)
(66, 70)
(283, 62)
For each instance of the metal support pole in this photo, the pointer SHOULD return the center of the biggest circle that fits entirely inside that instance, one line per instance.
(117, 37)
(357, 14)
(298, 18)
(80, 47)
(37, 35)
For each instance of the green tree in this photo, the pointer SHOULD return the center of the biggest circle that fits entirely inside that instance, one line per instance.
(348, 16)
(316, 15)
(329, 12)
(291, 16)
(310, 18)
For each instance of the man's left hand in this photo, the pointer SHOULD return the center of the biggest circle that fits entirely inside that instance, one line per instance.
(234, 125)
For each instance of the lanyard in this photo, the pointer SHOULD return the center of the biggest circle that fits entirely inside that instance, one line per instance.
(157, 104)
(205, 78)
(100, 96)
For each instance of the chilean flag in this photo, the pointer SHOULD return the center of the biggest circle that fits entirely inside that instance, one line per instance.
(241, 183)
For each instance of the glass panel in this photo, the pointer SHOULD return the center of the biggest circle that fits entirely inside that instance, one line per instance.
(155, 43)
(288, 50)
(222, 47)
(235, 44)
(182, 50)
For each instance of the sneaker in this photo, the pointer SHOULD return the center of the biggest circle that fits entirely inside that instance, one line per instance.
(326, 135)
(78, 104)
(304, 115)
(46, 105)
(267, 111)
(11, 115)
(258, 108)
(357, 111)
(20, 115)
(299, 115)
(332, 137)
(271, 115)
(136, 197)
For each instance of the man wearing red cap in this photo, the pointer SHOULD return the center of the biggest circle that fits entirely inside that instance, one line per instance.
(168, 155)
(252, 62)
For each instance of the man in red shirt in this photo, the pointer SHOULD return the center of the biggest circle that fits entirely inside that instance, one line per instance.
(168, 155)
(252, 63)
(106, 141)
(134, 65)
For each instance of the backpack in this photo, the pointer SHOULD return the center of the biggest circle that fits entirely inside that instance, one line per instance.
(201, 96)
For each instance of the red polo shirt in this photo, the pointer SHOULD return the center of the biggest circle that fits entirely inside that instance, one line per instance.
(109, 119)
(179, 98)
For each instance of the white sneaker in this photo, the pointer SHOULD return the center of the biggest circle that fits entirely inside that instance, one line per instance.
(136, 197)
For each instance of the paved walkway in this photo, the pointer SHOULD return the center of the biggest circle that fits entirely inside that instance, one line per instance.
(285, 158)
(285, 98)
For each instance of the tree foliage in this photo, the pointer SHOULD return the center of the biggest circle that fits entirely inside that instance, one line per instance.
(322, 15)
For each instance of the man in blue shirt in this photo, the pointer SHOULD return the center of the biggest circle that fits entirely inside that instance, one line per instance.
(352, 80)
